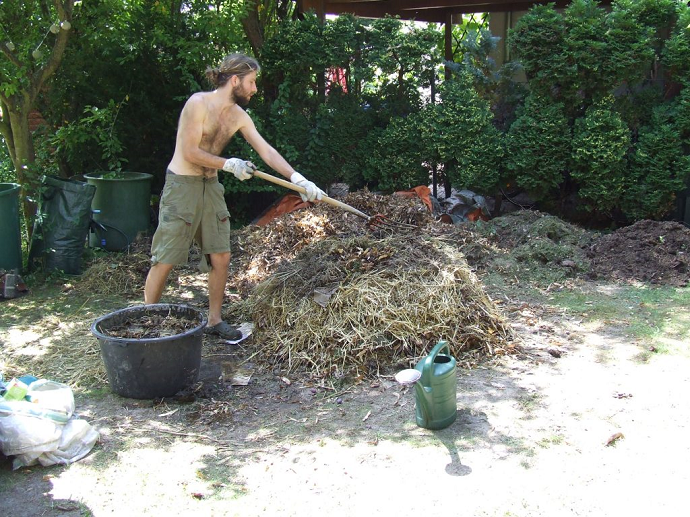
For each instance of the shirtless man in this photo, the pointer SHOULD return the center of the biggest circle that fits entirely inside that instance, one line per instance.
(193, 206)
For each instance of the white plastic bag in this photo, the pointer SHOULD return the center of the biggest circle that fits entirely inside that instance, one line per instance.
(35, 425)
(40, 428)
(52, 396)
(25, 429)
(77, 440)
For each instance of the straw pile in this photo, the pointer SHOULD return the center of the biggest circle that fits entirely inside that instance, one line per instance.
(359, 305)
(121, 274)
(124, 276)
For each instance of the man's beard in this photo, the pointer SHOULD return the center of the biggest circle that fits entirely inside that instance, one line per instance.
(239, 96)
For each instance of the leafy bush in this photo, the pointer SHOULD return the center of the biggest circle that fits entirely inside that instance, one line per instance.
(538, 42)
(7, 172)
(584, 54)
(677, 48)
(538, 146)
(600, 66)
(92, 142)
(461, 133)
(600, 143)
(658, 169)
(682, 118)
(396, 161)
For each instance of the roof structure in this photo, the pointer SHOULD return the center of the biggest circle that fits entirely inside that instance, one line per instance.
(438, 11)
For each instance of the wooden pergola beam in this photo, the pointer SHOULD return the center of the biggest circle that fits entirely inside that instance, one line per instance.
(435, 11)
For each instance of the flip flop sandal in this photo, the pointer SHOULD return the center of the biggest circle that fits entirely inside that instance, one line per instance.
(224, 330)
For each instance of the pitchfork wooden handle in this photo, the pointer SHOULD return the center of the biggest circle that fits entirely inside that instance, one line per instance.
(302, 190)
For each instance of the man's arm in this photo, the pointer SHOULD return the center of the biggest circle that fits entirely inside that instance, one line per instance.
(268, 154)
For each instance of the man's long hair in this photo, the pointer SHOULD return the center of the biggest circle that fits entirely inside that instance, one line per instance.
(234, 64)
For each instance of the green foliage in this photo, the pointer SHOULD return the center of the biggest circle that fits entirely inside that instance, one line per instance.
(630, 42)
(151, 53)
(332, 134)
(538, 146)
(91, 143)
(498, 86)
(458, 131)
(396, 160)
(461, 133)
(538, 42)
(600, 143)
(658, 168)
(637, 107)
(677, 48)
(334, 151)
(586, 48)
(27, 37)
(601, 67)
(582, 55)
(682, 118)
(7, 172)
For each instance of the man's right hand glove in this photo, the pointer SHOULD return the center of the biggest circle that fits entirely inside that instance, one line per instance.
(240, 168)
(312, 191)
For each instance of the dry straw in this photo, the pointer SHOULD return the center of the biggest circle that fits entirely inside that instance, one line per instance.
(363, 305)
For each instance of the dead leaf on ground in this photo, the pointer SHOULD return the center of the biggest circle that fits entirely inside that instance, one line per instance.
(613, 439)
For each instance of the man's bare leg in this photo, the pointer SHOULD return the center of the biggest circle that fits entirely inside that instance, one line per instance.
(217, 278)
(155, 282)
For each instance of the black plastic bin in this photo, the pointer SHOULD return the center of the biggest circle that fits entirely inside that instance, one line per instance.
(151, 367)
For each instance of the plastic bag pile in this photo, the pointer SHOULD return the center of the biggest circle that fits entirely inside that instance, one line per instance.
(38, 425)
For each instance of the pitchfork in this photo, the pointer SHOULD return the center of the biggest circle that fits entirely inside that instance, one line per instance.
(378, 221)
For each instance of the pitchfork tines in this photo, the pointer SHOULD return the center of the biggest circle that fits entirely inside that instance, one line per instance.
(381, 222)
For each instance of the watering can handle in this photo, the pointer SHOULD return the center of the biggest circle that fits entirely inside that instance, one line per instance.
(427, 369)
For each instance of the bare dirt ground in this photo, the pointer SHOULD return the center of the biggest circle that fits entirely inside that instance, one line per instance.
(588, 419)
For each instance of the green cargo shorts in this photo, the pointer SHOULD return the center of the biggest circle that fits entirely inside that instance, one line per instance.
(191, 208)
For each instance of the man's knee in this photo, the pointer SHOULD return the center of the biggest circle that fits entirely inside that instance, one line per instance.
(220, 260)
(159, 269)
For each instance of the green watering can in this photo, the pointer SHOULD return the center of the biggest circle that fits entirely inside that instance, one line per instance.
(435, 385)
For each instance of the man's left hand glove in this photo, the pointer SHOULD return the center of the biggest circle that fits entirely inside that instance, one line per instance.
(313, 193)
(241, 169)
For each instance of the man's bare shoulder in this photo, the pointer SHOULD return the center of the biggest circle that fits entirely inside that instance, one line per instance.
(197, 100)
(242, 117)
(239, 112)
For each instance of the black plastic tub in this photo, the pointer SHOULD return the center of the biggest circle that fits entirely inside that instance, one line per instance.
(157, 367)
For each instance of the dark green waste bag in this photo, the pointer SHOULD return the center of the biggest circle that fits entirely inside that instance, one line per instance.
(61, 226)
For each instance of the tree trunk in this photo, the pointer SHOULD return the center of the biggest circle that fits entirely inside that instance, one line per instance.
(23, 155)
(253, 28)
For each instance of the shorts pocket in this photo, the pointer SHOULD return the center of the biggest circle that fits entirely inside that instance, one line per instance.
(176, 229)
(223, 220)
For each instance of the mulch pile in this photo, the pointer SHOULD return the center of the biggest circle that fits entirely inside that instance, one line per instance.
(330, 295)
(258, 251)
(364, 305)
(657, 252)
(123, 273)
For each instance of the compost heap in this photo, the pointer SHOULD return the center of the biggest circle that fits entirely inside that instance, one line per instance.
(526, 246)
(657, 252)
(332, 297)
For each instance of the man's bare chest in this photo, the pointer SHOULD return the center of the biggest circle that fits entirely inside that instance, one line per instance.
(217, 132)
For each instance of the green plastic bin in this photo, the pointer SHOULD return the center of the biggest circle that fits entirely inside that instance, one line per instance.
(10, 232)
(122, 208)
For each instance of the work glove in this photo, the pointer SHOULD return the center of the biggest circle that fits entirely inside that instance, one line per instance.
(313, 193)
(240, 168)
